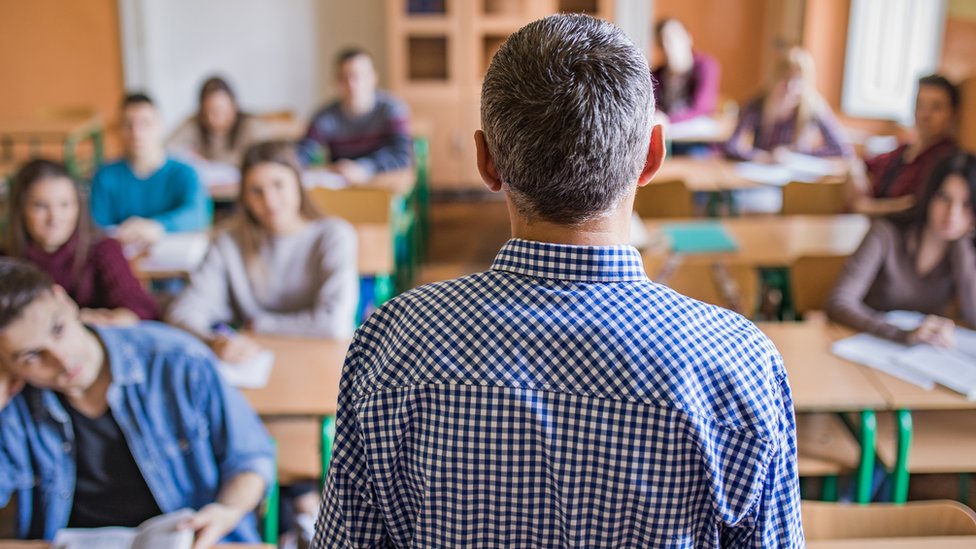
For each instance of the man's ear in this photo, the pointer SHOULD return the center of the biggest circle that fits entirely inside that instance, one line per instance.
(655, 156)
(486, 164)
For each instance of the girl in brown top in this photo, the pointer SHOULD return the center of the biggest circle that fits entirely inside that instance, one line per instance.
(920, 261)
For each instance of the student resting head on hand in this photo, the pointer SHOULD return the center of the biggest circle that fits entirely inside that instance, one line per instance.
(49, 225)
(278, 266)
(923, 260)
(110, 426)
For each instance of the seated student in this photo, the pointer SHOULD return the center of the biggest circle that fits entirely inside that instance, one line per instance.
(145, 193)
(112, 426)
(686, 84)
(789, 114)
(366, 131)
(219, 131)
(49, 225)
(896, 178)
(277, 266)
(922, 261)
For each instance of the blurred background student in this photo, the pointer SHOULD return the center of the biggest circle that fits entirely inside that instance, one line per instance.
(686, 82)
(366, 130)
(219, 131)
(277, 266)
(923, 260)
(49, 225)
(146, 194)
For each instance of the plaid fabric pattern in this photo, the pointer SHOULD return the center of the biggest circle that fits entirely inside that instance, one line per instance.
(561, 399)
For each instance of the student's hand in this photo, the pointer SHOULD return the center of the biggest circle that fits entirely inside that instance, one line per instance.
(212, 523)
(139, 231)
(10, 385)
(352, 171)
(235, 348)
(934, 330)
(109, 317)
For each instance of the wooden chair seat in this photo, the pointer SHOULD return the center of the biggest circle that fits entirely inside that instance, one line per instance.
(825, 447)
(812, 278)
(299, 448)
(664, 199)
(943, 441)
(825, 521)
(823, 198)
(726, 284)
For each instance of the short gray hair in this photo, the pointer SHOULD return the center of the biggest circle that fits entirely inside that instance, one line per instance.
(566, 110)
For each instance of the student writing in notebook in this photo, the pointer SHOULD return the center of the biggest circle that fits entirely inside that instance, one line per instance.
(49, 225)
(366, 131)
(146, 193)
(278, 266)
(219, 131)
(923, 260)
(110, 426)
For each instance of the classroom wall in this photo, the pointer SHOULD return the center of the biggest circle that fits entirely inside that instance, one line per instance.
(341, 24)
(57, 55)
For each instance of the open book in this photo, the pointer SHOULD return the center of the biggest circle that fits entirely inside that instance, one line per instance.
(156, 533)
(923, 365)
(250, 374)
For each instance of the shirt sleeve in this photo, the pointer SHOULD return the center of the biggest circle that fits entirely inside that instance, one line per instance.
(396, 150)
(14, 458)
(206, 298)
(775, 521)
(118, 284)
(349, 516)
(100, 200)
(333, 312)
(192, 206)
(240, 442)
(964, 278)
(835, 142)
(846, 302)
(750, 117)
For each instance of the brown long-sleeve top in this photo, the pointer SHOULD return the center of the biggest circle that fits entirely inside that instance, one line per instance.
(881, 276)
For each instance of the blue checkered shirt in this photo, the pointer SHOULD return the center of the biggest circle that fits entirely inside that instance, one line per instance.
(561, 399)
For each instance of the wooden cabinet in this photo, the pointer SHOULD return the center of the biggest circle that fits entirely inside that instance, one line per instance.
(439, 51)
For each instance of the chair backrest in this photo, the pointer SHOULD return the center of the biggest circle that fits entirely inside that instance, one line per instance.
(822, 520)
(730, 285)
(823, 198)
(355, 205)
(664, 199)
(811, 280)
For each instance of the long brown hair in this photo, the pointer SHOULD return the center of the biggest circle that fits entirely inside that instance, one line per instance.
(18, 238)
(213, 85)
(244, 223)
(795, 59)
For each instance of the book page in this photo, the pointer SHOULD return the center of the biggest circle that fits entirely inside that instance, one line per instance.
(94, 538)
(161, 532)
(252, 374)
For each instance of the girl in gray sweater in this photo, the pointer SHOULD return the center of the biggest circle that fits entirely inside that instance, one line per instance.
(922, 261)
(278, 266)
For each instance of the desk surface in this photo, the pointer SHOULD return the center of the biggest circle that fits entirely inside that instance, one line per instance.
(19, 126)
(400, 182)
(305, 377)
(819, 380)
(774, 241)
(712, 174)
(941, 542)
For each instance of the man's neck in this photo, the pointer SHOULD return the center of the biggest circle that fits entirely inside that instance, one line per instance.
(93, 401)
(146, 163)
(610, 229)
(359, 106)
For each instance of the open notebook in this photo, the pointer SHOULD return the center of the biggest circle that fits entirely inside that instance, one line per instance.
(793, 167)
(923, 365)
(156, 533)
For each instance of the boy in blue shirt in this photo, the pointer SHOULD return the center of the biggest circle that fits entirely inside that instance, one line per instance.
(146, 193)
(112, 426)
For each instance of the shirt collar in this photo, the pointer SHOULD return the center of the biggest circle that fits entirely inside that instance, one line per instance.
(122, 356)
(619, 263)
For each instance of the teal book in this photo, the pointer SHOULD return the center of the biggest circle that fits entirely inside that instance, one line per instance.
(699, 238)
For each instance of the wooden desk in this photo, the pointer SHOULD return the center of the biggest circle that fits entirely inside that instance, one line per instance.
(942, 542)
(305, 377)
(707, 175)
(773, 241)
(67, 131)
(400, 182)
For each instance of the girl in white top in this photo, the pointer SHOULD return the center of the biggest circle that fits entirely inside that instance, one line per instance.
(276, 267)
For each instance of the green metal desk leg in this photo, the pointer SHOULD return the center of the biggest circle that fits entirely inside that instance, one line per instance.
(899, 492)
(829, 488)
(271, 506)
(328, 439)
(865, 470)
(383, 289)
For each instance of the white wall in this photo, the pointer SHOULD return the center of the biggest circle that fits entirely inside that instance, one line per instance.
(268, 50)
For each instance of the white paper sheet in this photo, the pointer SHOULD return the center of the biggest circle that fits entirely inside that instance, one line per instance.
(252, 374)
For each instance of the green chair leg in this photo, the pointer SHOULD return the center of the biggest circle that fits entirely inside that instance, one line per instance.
(865, 471)
(829, 488)
(899, 492)
(383, 289)
(271, 506)
(964, 488)
(328, 439)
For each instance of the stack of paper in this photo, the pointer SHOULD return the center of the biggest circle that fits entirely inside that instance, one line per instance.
(176, 252)
(923, 365)
(791, 167)
(252, 374)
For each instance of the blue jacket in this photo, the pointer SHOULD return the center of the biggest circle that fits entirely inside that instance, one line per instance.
(188, 431)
